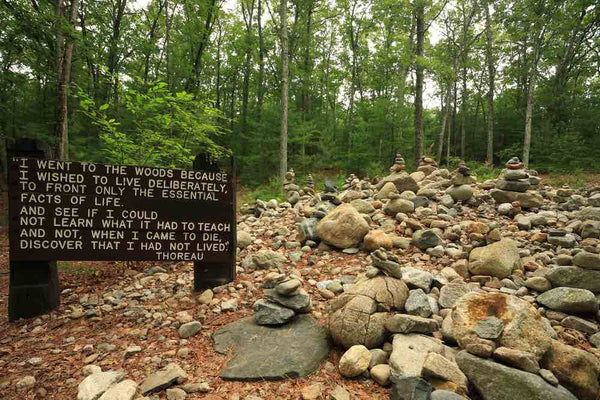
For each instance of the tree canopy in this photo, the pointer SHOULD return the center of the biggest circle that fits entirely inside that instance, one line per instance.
(157, 82)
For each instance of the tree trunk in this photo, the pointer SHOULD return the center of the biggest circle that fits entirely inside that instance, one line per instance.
(446, 114)
(491, 75)
(420, 20)
(168, 44)
(261, 63)
(463, 115)
(530, 99)
(248, 15)
(64, 78)
(283, 139)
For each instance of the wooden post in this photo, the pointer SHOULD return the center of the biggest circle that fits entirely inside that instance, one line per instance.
(208, 275)
(33, 288)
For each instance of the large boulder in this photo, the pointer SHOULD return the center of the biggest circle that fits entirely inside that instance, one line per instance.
(401, 180)
(569, 300)
(528, 199)
(498, 259)
(94, 385)
(460, 192)
(307, 230)
(523, 328)
(385, 191)
(376, 239)
(244, 239)
(587, 260)
(399, 205)
(591, 213)
(343, 227)
(263, 259)
(409, 352)
(293, 350)
(577, 370)
(574, 277)
(495, 381)
(426, 238)
(358, 315)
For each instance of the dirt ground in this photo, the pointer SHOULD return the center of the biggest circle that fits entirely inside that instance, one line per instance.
(62, 360)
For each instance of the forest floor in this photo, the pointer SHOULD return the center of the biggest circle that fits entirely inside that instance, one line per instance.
(59, 341)
(55, 348)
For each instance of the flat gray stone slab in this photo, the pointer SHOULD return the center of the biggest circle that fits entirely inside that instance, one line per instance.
(293, 350)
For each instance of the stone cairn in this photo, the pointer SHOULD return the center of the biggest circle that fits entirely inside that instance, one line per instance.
(399, 164)
(564, 193)
(514, 178)
(351, 183)
(384, 262)
(309, 189)
(284, 299)
(461, 183)
(427, 165)
(290, 188)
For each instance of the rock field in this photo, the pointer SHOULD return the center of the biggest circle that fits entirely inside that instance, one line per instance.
(419, 286)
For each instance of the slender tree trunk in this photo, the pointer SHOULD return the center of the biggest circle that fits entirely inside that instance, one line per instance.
(168, 45)
(463, 115)
(283, 139)
(420, 20)
(64, 78)
(445, 116)
(491, 76)
(218, 88)
(530, 99)
(261, 63)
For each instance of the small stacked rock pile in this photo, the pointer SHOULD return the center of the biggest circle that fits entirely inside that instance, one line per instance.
(399, 164)
(461, 183)
(290, 188)
(284, 299)
(351, 190)
(427, 165)
(513, 185)
(351, 183)
(398, 178)
(310, 185)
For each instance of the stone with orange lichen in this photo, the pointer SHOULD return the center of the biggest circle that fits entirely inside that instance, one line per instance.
(524, 328)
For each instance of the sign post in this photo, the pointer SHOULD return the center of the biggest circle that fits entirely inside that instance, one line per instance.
(211, 274)
(33, 286)
(61, 210)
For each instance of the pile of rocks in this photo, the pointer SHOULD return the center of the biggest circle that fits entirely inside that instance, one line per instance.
(513, 185)
(462, 180)
(290, 188)
(427, 165)
(310, 185)
(284, 299)
(399, 178)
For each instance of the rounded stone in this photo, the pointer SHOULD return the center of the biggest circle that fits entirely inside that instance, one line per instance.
(355, 361)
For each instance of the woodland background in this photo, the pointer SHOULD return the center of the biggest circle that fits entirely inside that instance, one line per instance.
(155, 82)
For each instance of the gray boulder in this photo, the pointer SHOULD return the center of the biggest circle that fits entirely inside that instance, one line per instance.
(498, 259)
(425, 239)
(163, 379)
(574, 277)
(307, 230)
(495, 381)
(270, 313)
(288, 351)
(94, 385)
(343, 227)
(528, 199)
(569, 300)
(460, 193)
(587, 260)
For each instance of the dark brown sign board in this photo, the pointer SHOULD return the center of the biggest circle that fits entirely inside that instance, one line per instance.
(77, 211)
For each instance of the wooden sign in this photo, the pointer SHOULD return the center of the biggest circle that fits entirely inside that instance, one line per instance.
(61, 210)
